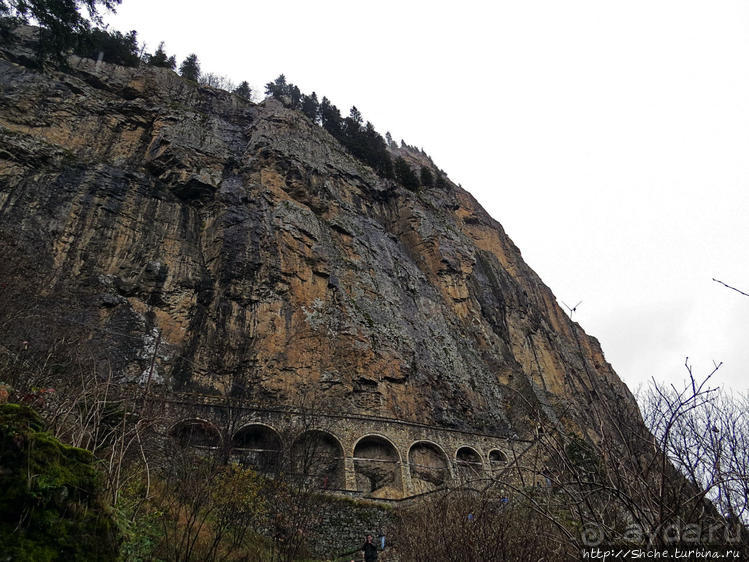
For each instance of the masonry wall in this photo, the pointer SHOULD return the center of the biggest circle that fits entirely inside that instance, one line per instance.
(377, 456)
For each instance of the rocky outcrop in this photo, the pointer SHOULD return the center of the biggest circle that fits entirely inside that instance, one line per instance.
(216, 245)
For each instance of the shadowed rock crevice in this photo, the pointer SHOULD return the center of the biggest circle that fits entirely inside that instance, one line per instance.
(244, 252)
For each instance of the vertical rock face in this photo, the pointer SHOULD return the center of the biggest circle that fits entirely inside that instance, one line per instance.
(218, 246)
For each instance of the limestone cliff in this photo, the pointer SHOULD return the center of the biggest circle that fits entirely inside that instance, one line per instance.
(246, 251)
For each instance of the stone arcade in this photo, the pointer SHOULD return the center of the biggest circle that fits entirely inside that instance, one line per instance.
(355, 454)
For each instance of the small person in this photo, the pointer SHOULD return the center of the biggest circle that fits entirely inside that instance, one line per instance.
(370, 550)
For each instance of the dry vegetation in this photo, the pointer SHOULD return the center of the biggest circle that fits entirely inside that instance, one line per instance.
(681, 473)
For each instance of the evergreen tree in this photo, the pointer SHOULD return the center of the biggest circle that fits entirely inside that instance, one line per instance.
(351, 133)
(244, 90)
(190, 68)
(353, 139)
(286, 92)
(387, 170)
(310, 106)
(330, 118)
(60, 21)
(363, 142)
(405, 174)
(278, 88)
(427, 179)
(355, 115)
(113, 47)
(389, 140)
(295, 97)
(377, 154)
(441, 181)
(160, 58)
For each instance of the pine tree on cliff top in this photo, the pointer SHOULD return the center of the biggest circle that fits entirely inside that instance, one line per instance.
(278, 88)
(60, 21)
(310, 106)
(190, 68)
(244, 90)
(405, 174)
(160, 58)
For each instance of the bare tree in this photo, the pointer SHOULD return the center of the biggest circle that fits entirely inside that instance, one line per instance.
(209, 510)
(706, 439)
(310, 464)
(460, 525)
(217, 81)
(644, 482)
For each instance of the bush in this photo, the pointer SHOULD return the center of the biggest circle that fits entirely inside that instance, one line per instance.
(461, 526)
(207, 509)
(50, 498)
(217, 81)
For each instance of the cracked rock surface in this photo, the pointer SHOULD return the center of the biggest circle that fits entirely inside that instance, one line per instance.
(244, 251)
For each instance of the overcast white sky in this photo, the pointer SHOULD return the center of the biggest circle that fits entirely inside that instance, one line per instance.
(611, 139)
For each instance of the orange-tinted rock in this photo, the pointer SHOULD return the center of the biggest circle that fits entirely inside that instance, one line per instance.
(269, 263)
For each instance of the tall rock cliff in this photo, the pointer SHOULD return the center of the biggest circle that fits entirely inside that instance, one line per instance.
(221, 246)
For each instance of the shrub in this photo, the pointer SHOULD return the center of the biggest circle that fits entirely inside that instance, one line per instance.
(50, 498)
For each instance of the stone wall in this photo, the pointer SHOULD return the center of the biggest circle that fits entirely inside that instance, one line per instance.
(367, 456)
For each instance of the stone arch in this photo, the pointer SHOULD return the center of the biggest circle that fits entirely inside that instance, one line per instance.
(258, 445)
(497, 460)
(377, 465)
(428, 465)
(196, 432)
(318, 455)
(469, 464)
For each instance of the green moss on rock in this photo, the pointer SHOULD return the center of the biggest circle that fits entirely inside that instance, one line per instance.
(50, 504)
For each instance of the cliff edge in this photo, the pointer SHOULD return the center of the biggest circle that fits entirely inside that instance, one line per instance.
(210, 244)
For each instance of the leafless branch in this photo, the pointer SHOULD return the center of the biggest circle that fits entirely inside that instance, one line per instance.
(732, 288)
